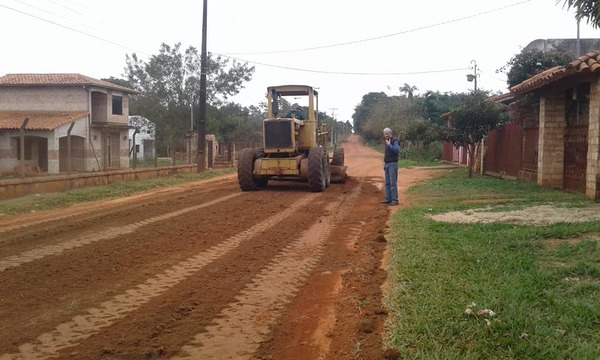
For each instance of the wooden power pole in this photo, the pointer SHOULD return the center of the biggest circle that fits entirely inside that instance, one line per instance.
(201, 159)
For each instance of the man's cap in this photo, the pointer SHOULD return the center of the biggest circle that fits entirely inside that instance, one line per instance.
(387, 130)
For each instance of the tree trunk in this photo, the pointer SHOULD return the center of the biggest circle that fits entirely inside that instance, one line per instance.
(470, 154)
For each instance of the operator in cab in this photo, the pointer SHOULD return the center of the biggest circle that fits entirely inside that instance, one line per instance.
(297, 113)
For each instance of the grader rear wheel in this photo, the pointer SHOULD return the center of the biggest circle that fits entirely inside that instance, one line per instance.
(316, 175)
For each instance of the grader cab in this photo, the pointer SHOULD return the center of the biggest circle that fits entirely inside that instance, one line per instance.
(294, 144)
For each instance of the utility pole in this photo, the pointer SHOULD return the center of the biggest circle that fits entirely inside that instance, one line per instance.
(578, 41)
(473, 76)
(333, 112)
(201, 159)
(333, 134)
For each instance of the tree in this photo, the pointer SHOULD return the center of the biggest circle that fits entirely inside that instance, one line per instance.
(408, 90)
(389, 112)
(363, 110)
(436, 104)
(472, 121)
(529, 63)
(120, 82)
(169, 83)
(584, 9)
(521, 67)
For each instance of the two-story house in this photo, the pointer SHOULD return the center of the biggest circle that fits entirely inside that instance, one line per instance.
(59, 122)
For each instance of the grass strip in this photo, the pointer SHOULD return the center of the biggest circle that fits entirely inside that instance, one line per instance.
(542, 282)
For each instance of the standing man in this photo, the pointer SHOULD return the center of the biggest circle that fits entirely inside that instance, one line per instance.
(392, 149)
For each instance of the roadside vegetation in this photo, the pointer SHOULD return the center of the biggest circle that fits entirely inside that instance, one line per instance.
(40, 202)
(492, 290)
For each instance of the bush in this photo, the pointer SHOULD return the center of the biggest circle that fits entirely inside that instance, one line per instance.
(426, 153)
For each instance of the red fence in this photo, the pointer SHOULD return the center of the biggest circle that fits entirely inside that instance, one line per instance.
(504, 150)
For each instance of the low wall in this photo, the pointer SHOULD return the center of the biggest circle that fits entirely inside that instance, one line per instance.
(10, 189)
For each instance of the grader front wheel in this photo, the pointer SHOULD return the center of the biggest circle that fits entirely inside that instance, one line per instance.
(316, 175)
(245, 170)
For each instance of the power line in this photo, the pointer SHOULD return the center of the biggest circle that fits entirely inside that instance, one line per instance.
(49, 12)
(68, 28)
(65, 7)
(382, 36)
(342, 72)
(256, 62)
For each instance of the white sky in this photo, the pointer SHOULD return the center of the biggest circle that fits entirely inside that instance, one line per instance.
(414, 37)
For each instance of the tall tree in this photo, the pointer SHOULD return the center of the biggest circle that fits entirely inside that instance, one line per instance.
(588, 10)
(472, 121)
(521, 67)
(169, 82)
(529, 63)
(436, 104)
(363, 110)
(408, 90)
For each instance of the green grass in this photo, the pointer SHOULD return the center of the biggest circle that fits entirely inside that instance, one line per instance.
(408, 163)
(546, 298)
(40, 202)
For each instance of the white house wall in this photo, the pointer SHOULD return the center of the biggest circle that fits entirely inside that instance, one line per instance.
(139, 140)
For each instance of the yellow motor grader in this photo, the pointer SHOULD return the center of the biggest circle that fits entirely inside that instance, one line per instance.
(294, 145)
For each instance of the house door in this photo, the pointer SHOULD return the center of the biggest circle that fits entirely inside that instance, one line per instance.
(115, 150)
(110, 152)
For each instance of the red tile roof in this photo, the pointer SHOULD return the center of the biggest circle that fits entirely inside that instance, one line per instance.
(59, 79)
(38, 120)
(588, 63)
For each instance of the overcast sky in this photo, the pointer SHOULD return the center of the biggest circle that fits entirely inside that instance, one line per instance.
(345, 48)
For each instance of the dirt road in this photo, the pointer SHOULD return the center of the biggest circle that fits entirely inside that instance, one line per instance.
(203, 271)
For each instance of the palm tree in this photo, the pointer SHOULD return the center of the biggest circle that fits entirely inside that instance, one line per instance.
(408, 90)
(584, 9)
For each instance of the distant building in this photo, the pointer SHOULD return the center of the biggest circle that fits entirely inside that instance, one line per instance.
(567, 45)
(143, 148)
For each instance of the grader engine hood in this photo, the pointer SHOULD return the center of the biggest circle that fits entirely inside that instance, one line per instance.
(280, 135)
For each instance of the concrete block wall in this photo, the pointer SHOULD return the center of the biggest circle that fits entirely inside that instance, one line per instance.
(43, 99)
(593, 155)
(551, 151)
(11, 189)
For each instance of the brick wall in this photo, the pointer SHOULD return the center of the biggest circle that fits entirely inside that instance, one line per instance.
(551, 141)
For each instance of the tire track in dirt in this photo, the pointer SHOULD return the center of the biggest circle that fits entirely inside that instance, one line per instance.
(241, 327)
(80, 327)
(18, 235)
(36, 219)
(39, 253)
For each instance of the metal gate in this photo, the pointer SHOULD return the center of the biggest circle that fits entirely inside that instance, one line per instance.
(576, 146)
(530, 149)
(576, 138)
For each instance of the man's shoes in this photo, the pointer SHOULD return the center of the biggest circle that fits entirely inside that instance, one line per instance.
(385, 202)
(393, 203)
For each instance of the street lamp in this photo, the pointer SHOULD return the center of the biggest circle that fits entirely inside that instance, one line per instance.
(474, 75)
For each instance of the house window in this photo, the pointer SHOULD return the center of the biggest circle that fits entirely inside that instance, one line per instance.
(117, 105)
(28, 148)
(137, 148)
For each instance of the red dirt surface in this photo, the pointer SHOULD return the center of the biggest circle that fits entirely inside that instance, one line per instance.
(204, 271)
